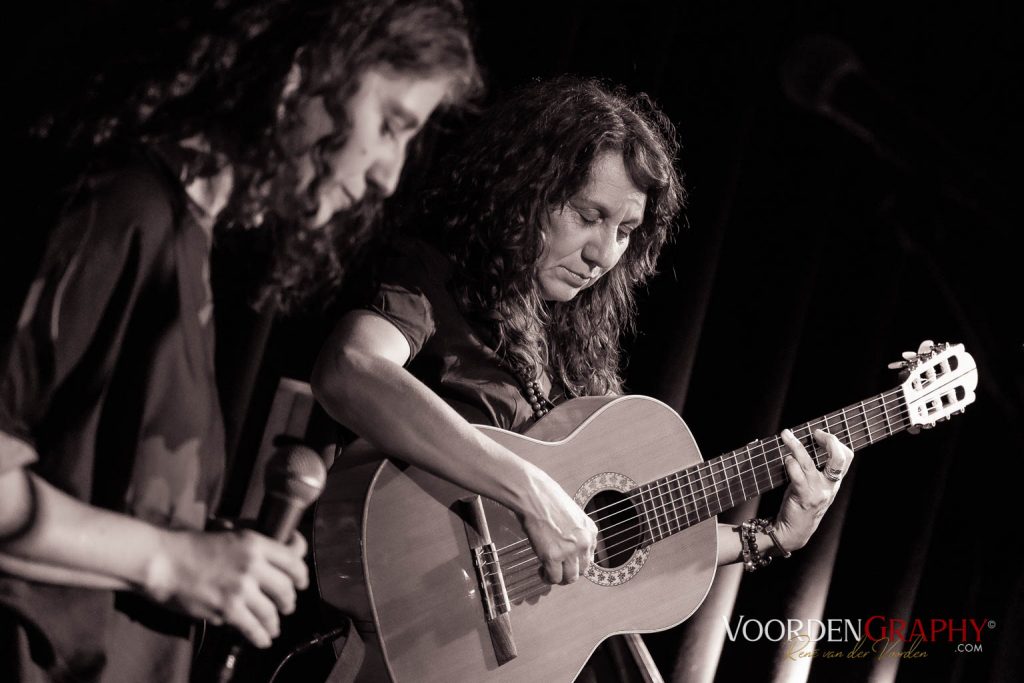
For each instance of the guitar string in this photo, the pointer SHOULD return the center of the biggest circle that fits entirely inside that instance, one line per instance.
(658, 526)
(533, 561)
(759, 479)
(743, 476)
(535, 580)
(884, 407)
(527, 587)
(751, 453)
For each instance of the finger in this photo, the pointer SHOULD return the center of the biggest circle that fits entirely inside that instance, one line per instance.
(242, 618)
(266, 612)
(838, 453)
(287, 559)
(297, 544)
(570, 570)
(796, 473)
(799, 452)
(277, 586)
(553, 571)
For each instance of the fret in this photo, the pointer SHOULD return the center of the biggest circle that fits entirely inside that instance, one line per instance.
(846, 425)
(664, 509)
(689, 505)
(696, 491)
(867, 423)
(753, 469)
(885, 414)
(833, 429)
(721, 479)
(764, 456)
(678, 476)
(673, 498)
(808, 441)
(875, 410)
(646, 499)
(900, 408)
(750, 468)
(739, 475)
(662, 512)
(853, 418)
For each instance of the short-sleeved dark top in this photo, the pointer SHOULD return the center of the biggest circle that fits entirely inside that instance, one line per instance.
(448, 353)
(110, 379)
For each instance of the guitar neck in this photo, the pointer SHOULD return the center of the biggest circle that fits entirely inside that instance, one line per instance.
(684, 498)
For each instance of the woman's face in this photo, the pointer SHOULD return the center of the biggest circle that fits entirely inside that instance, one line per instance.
(385, 113)
(587, 236)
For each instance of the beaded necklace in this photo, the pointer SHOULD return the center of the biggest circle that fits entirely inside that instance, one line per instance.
(534, 394)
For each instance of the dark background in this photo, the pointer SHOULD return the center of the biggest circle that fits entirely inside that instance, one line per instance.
(807, 262)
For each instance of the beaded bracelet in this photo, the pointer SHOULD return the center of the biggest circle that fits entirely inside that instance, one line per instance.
(754, 559)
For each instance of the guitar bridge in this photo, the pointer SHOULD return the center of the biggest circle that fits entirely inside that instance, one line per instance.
(490, 580)
(492, 584)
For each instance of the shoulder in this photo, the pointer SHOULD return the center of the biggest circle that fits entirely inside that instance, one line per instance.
(130, 199)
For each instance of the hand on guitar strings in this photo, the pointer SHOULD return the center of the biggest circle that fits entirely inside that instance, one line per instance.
(810, 491)
(562, 534)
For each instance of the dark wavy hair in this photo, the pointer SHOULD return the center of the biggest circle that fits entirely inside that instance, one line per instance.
(529, 156)
(237, 72)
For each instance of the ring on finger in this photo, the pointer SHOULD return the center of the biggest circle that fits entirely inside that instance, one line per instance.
(832, 473)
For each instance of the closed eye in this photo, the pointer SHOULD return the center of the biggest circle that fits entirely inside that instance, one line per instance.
(625, 231)
(588, 217)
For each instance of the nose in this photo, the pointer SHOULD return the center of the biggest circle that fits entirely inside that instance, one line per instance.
(601, 250)
(386, 168)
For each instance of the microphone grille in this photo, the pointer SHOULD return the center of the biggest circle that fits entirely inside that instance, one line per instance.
(296, 472)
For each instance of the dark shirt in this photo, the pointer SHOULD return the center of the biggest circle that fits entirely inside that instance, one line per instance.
(447, 352)
(110, 379)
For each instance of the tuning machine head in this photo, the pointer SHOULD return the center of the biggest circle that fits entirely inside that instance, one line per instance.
(911, 359)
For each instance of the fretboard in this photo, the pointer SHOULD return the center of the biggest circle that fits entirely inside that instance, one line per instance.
(697, 493)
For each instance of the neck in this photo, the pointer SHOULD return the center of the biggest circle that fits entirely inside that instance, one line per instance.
(697, 493)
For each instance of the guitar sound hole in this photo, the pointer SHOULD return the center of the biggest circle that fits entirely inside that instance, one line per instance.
(619, 528)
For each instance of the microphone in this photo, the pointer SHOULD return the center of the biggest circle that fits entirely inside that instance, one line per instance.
(295, 477)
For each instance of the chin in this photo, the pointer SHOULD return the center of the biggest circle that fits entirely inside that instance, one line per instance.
(561, 292)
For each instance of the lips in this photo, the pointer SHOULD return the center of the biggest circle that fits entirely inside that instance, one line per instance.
(573, 277)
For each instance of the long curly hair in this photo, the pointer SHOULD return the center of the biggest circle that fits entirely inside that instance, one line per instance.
(236, 73)
(528, 157)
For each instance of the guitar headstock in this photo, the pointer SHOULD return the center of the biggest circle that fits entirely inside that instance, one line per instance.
(941, 382)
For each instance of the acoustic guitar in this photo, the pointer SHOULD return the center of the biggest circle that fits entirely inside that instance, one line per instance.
(445, 586)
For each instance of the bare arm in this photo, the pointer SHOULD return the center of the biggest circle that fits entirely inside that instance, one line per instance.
(806, 501)
(240, 578)
(360, 380)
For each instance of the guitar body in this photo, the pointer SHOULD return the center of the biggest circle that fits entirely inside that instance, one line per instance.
(444, 587)
(391, 550)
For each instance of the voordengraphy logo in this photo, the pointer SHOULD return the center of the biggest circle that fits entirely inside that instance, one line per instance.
(877, 635)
